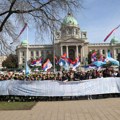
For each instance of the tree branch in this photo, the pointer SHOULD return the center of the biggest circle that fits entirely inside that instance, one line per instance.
(8, 15)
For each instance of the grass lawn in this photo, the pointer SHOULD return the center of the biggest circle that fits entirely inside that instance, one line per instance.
(16, 105)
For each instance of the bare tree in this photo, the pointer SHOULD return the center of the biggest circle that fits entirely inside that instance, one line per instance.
(38, 13)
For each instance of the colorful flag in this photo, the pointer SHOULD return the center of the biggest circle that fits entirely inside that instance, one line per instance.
(75, 63)
(47, 65)
(111, 33)
(64, 56)
(61, 62)
(93, 56)
(33, 63)
(109, 54)
(112, 60)
(39, 62)
(99, 63)
(22, 30)
(101, 58)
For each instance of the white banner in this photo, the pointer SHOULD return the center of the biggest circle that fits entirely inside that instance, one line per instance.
(59, 88)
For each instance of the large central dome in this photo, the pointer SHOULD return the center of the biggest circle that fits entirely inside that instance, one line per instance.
(69, 20)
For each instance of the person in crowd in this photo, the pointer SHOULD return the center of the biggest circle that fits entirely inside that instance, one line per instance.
(118, 74)
(64, 75)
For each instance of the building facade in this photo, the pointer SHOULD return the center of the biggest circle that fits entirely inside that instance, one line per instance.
(69, 39)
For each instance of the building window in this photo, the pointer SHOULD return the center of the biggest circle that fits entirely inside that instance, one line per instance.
(98, 51)
(64, 49)
(37, 53)
(42, 53)
(31, 53)
(48, 52)
(23, 60)
(70, 31)
(76, 31)
(23, 54)
(103, 52)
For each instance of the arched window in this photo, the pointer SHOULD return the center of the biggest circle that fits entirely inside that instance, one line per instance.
(23, 53)
(76, 31)
(103, 52)
(23, 60)
(37, 53)
(31, 53)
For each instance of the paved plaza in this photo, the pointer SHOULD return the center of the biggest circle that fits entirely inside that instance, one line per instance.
(100, 109)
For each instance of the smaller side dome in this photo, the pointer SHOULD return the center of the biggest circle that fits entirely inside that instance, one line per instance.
(114, 40)
(24, 43)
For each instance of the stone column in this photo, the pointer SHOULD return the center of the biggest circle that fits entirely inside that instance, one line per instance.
(82, 53)
(40, 53)
(61, 50)
(101, 51)
(114, 50)
(67, 51)
(76, 50)
(106, 52)
(19, 58)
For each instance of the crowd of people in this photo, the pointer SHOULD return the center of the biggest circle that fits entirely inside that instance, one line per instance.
(62, 76)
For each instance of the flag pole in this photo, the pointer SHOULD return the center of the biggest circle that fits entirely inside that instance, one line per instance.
(53, 39)
(53, 50)
(27, 43)
(26, 67)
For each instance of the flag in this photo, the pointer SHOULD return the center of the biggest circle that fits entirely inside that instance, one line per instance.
(111, 33)
(47, 65)
(99, 63)
(93, 56)
(75, 63)
(33, 63)
(20, 32)
(109, 54)
(61, 62)
(27, 69)
(64, 61)
(101, 58)
(112, 60)
(64, 56)
(39, 62)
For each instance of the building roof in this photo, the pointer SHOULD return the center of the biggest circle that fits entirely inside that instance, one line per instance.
(69, 20)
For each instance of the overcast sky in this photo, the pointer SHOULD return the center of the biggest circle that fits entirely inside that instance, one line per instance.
(98, 18)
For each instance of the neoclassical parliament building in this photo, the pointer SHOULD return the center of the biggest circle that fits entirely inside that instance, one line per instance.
(69, 39)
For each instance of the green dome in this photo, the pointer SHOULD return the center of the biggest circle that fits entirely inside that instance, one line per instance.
(24, 43)
(69, 20)
(114, 40)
